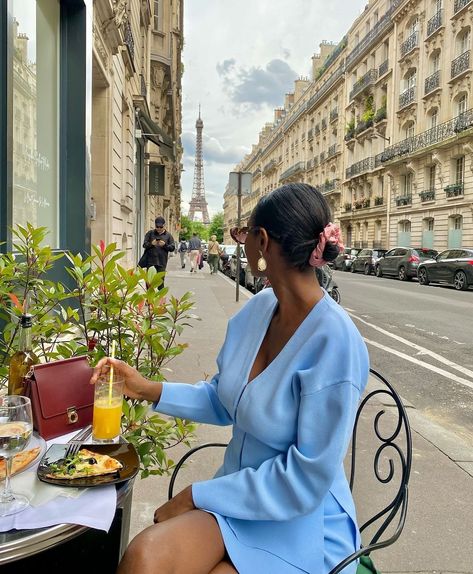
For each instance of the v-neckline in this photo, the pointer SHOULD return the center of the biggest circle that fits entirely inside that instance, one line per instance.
(266, 325)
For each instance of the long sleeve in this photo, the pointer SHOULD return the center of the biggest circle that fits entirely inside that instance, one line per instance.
(199, 402)
(147, 240)
(293, 483)
(170, 245)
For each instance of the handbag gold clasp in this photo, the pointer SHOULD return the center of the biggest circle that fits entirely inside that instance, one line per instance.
(72, 415)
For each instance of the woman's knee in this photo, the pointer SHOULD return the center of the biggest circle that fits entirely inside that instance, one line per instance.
(150, 551)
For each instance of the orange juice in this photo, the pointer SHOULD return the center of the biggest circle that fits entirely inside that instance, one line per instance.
(107, 417)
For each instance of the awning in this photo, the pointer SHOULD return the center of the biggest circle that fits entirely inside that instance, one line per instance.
(151, 131)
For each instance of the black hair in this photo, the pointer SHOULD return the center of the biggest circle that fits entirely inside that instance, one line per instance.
(294, 215)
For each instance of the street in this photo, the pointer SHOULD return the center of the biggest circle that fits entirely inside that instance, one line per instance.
(420, 339)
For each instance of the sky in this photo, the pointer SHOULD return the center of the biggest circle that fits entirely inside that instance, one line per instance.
(240, 58)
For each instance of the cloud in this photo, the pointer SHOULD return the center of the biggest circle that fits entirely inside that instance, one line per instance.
(213, 150)
(257, 86)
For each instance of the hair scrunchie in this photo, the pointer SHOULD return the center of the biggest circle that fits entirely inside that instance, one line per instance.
(331, 234)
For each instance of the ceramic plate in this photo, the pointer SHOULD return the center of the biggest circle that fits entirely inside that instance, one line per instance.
(35, 441)
(123, 452)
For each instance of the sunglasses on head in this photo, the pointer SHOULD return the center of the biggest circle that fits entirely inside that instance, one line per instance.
(239, 234)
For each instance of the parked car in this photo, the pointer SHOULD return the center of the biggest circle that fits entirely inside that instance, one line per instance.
(452, 266)
(233, 265)
(205, 250)
(366, 260)
(402, 262)
(345, 259)
(224, 259)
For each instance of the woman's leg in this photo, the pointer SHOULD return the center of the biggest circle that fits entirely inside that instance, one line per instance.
(188, 544)
(224, 568)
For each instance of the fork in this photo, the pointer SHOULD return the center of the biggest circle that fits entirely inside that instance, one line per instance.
(76, 442)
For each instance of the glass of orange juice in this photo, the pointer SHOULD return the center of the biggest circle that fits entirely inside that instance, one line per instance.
(108, 400)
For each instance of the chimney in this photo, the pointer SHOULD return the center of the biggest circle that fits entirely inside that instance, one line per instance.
(300, 86)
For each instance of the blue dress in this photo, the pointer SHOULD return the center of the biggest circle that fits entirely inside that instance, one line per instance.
(281, 497)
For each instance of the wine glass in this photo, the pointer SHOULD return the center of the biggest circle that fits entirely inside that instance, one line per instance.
(16, 427)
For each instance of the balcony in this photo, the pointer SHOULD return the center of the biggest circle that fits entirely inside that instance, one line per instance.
(270, 166)
(379, 200)
(317, 129)
(435, 23)
(257, 172)
(410, 44)
(383, 68)
(403, 200)
(363, 125)
(432, 82)
(459, 5)
(461, 64)
(407, 97)
(310, 134)
(454, 190)
(428, 195)
(329, 186)
(326, 87)
(144, 91)
(360, 167)
(361, 203)
(333, 115)
(324, 124)
(309, 165)
(369, 79)
(293, 170)
(130, 43)
(322, 157)
(332, 150)
(428, 138)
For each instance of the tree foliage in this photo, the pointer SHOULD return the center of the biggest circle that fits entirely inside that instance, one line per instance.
(216, 226)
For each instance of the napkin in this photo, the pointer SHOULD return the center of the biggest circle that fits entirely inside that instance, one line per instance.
(28, 484)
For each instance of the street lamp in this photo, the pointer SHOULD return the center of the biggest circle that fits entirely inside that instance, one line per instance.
(239, 182)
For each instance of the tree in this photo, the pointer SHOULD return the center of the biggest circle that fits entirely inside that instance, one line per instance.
(189, 227)
(186, 227)
(216, 226)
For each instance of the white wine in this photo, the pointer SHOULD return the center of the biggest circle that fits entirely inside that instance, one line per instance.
(14, 436)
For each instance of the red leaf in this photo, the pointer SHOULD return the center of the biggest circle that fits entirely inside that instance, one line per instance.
(102, 246)
(15, 301)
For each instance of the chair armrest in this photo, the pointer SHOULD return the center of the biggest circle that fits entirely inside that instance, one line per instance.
(183, 459)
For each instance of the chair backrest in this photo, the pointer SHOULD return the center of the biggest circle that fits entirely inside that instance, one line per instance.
(394, 448)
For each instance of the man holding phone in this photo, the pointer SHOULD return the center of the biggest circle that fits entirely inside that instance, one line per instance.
(157, 244)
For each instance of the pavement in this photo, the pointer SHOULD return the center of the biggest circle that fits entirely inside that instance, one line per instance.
(438, 534)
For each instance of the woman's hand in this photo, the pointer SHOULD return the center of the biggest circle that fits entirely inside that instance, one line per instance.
(179, 504)
(136, 386)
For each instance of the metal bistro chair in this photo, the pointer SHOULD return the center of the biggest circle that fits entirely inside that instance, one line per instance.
(399, 440)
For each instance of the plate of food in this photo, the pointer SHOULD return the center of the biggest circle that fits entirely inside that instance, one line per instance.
(93, 465)
(25, 458)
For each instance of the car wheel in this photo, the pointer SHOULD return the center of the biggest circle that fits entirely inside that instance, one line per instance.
(422, 276)
(459, 281)
(402, 274)
(367, 270)
(378, 271)
(335, 294)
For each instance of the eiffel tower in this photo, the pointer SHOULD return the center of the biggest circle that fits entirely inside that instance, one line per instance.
(198, 202)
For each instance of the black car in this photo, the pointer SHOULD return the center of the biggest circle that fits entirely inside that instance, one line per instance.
(345, 259)
(366, 260)
(453, 266)
(402, 262)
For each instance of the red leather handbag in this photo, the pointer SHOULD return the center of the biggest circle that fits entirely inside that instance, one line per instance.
(62, 398)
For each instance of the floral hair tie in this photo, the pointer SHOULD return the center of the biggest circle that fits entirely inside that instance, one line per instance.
(331, 234)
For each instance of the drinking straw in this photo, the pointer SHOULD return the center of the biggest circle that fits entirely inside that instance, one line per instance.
(110, 382)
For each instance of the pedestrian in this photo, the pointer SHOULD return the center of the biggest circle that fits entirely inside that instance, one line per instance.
(195, 250)
(158, 243)
(281, 502)
(213, 254)
(182, 250)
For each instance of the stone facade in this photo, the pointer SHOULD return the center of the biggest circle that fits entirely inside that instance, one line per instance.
(136, 120)
(384, 128)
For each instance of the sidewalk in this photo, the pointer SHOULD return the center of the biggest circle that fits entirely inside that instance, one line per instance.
(438, 535)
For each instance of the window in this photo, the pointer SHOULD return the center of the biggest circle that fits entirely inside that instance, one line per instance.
(461, 104)
(410, 80)
(435, 62)
(434, 118)
(457, 222)
(460, 169)
(405, 227)
(156, 15)
(410, 130)
(437, 4)
(407, 184)
(414, 27)
(432, 174)
(463, 44)
(429, 224)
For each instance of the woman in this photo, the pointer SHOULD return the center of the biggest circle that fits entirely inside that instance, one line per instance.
(280, 504)
(214, 254)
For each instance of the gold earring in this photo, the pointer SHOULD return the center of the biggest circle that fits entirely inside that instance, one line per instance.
(262, 265)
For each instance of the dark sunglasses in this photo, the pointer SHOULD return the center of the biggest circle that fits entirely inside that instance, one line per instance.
(239, 234)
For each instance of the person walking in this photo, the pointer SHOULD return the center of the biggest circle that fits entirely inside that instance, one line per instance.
(195, 249)
(281, 502)
(158, 243)
(182, 250)
(214, 254)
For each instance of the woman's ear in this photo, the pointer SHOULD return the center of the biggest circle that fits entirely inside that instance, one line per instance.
(263, 240)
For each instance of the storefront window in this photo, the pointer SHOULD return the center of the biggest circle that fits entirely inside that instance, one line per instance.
(34, 89)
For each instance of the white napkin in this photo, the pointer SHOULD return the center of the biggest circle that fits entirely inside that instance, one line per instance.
(49, 504)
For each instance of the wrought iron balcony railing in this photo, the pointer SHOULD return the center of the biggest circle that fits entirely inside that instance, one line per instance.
(333, 115)
(322, 157)
(360, 167)
(367, 80)
(407, 97)
(325, 87)
(293, 170)
(403, 200)
(383, 68)
(324, 124)
(435, 23)
(454, 190)
(461, 64)
(430, 137)
(309, 165)
(329, 186)
(129, 40)
(317, 129)
(144, 91)
(432, 82)
(411, 43)
(270, 166)
(379, 200)
(459, 5)
(310, 134)
(332, 150)
(428, 195)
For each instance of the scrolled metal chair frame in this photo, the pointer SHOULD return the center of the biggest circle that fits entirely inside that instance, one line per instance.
(398, 505)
